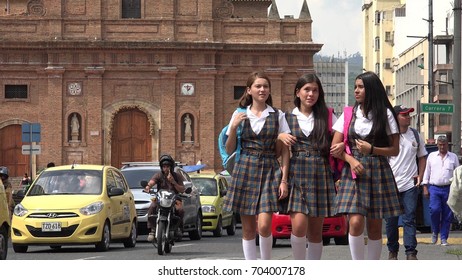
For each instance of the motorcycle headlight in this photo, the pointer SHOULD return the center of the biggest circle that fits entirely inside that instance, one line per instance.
(19, 210)
(92, 208)
(165, 202)
(208, 209)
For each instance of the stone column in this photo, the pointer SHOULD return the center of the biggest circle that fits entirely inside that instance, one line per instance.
(169, 130)
(93, 94)
(206, 88)
(52, 120)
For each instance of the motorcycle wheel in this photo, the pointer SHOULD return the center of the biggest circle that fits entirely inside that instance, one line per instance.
(161, 238)
(168, 245)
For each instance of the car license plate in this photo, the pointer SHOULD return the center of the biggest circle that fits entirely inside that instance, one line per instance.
(54, 226)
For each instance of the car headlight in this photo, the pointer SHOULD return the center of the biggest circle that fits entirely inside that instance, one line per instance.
(19, 210)
(92, 208)
(208, 209)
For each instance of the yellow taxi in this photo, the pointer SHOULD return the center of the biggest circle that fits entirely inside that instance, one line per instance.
(75, 204)
(212, 189)
(4, 223)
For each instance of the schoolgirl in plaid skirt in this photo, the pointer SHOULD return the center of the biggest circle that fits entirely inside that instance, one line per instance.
(311, 184)
(258, 181)
(367, 188)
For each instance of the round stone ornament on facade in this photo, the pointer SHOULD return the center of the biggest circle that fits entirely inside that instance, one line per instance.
(74, 88)
(187, 89)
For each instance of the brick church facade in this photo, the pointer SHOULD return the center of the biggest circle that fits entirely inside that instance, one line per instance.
(110, 81)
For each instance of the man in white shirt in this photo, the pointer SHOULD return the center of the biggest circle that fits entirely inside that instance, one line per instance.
(436, 182)
(408, 175)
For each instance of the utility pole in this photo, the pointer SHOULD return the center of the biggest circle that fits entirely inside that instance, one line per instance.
(456, 72)
(430, 67)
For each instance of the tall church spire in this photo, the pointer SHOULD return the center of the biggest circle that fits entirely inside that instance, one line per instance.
(305, 12)
(274, 13)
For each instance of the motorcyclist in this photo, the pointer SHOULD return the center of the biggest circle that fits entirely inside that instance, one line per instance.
(8, 188)
(169, 180)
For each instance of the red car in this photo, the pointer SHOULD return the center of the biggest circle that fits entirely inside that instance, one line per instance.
(336, 227)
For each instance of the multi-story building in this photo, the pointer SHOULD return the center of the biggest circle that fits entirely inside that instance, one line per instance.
(334, 78)
(127, 80)
(400, 55)
(378, 30)
(411, 80)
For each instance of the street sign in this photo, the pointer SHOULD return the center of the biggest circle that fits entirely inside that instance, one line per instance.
(30, 132)
(437, 108)
(36, 149)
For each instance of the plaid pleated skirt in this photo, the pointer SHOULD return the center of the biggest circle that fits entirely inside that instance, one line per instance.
(254, 185)
(312, 188)
(373, 194)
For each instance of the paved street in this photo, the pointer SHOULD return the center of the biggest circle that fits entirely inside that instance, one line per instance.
(229, 248)
(426, 250)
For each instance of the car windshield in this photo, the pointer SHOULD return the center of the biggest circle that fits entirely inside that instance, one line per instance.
(60, 182)
(135, 176)
(206, 186)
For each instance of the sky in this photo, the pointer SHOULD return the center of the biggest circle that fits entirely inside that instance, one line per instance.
(336, 23)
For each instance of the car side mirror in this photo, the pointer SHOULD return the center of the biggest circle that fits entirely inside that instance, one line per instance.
(20, 194)
(115, 191)
(144, 183)
(222, 192)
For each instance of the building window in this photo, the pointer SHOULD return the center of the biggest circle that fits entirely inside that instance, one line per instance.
(131, 8)
(400, 12)
(15, 91)
(377, 43)
(388, 90)
(443, 89)
(377, 17)
(387, 36)
(387, 64)
(238, 92)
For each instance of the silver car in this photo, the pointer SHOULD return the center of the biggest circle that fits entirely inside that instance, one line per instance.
(135, 172)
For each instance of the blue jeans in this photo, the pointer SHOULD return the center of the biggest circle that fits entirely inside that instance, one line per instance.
(440, 213)
(408, 200)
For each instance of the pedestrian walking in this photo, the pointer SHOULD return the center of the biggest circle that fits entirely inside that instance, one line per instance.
(311, 183)
(367, 188)
(436, 185)
(408, 174)
(258, 180)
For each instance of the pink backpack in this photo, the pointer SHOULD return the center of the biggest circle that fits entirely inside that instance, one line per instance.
(337, 164)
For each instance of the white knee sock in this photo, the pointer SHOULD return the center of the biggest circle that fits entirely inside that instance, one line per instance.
(306, 249)
(357, 247)
(374, 249)
(266, 245)
(314, 251)
(298, 245)
(250, 249)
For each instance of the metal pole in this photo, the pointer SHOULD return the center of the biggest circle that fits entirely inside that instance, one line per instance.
(30, 151)
(456, 79)
(430, 67)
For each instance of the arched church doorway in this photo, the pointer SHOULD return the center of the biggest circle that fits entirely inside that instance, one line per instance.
(131, 140)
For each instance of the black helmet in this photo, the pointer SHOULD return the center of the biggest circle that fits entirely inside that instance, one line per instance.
(4, 171)
(166, 159)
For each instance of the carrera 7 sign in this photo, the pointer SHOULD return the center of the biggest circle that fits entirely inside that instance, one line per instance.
(437, 108)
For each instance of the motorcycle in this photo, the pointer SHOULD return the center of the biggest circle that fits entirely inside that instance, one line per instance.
(167, 223)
